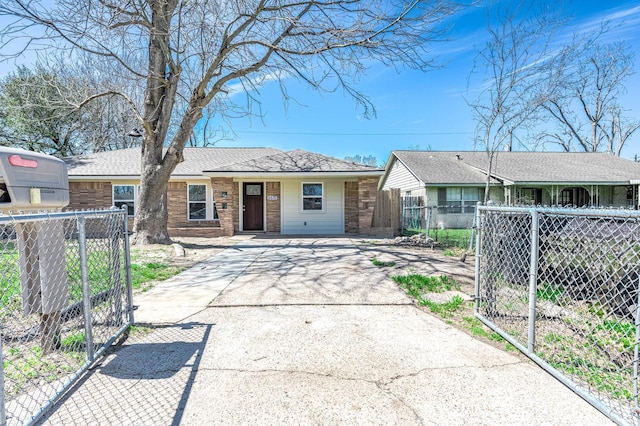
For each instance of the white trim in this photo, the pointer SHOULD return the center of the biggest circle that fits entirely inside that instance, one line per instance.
(100, 178)
(278, 175)
(136, 190)
(207, 202)
(322, 197)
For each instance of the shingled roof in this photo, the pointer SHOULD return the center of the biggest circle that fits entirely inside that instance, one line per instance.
(470, 167)
(297, 161)
(126, 162)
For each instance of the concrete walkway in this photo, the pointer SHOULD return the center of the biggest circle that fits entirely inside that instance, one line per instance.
(304, 332)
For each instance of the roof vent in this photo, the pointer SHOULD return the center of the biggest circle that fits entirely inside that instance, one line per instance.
(458, 157)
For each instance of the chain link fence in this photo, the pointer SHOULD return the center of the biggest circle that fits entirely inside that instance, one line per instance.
(562, 285)
(449, 226)
(65, 296)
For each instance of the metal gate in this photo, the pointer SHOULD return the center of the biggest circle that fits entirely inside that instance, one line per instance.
(562, 285)
(65, 296)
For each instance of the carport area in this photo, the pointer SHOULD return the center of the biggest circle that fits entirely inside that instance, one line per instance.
(306, 331)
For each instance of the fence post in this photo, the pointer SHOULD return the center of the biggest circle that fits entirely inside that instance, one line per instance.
(86, 291)
(478, 253)
(636, 352)
(402, 214)
(428, 220)
(533, 281)
(473, 226)
(127, 262)
(114, 257)
(3, 414)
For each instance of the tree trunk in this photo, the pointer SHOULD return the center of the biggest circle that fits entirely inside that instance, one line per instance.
(150, 224)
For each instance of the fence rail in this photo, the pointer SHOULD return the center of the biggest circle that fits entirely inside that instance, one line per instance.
(444, 224)
(65, 296)
(562, 285)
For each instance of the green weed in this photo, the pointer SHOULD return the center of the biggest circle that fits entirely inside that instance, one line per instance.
(382, 264)
(416, 284)
(443, 309)
(152, 271)
(549, 292)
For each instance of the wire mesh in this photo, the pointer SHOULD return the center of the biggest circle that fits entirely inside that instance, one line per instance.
(448, 226)
(574, 303)
(56, 310)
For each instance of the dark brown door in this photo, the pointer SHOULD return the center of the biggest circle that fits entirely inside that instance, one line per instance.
(252, 207)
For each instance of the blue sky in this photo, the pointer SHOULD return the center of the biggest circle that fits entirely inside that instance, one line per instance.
(413, 108)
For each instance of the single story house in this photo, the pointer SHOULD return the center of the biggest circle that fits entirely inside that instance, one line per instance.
(224, 191)
(456, 180)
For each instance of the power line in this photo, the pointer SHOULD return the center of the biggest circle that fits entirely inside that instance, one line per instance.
(352, 133)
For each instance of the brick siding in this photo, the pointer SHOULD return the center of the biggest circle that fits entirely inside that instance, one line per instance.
(89, 195)
(228, 223)
(367, 191)
(273, 206)
(351, 207)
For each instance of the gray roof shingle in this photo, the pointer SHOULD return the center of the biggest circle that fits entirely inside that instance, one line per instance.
(294, 162)
(126, 162)
(440, 167)
(467, 167)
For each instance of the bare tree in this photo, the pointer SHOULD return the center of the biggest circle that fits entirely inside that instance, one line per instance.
(201, 51)
(512, 59)
(367, 160)
(583, 99)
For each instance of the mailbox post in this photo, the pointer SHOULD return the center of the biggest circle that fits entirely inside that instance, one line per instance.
(30, 182)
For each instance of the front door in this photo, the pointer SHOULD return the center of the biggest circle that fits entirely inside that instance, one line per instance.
(252, 207)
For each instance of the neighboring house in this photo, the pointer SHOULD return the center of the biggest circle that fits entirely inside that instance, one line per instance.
(457, 179)
(223, 191)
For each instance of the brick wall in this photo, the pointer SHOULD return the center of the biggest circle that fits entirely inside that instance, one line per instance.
(234, 205)
(351, 207)
(367, 191)
(228, 223)
(177, 205)
(89, 195)
(178, 224)
(273, 206)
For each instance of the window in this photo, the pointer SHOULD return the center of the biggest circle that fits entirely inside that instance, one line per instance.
(312, 196)
(125, 194)
(253, 189)
(462, 200)
(197, 202)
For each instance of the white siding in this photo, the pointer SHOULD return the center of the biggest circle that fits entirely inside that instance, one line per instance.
(328, 221)
(400, 177)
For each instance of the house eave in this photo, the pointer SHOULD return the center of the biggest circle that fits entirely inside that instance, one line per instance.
(107, 178)
(572, 183)
(285, 175)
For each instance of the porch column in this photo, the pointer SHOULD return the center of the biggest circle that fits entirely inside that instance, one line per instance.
(367, 191)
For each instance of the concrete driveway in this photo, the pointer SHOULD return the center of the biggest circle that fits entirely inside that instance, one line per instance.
(307, 331)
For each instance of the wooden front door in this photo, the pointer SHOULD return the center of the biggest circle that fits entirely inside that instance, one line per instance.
(252, 207)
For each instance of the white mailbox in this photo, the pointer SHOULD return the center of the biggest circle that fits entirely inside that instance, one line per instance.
(32, 181)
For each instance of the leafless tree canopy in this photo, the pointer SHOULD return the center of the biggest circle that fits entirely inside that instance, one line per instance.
(583, 98)
(190, 54)
(511, 63)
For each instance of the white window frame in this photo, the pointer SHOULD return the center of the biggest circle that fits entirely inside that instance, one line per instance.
(303, 197)
(133, 203)
(205, 201)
